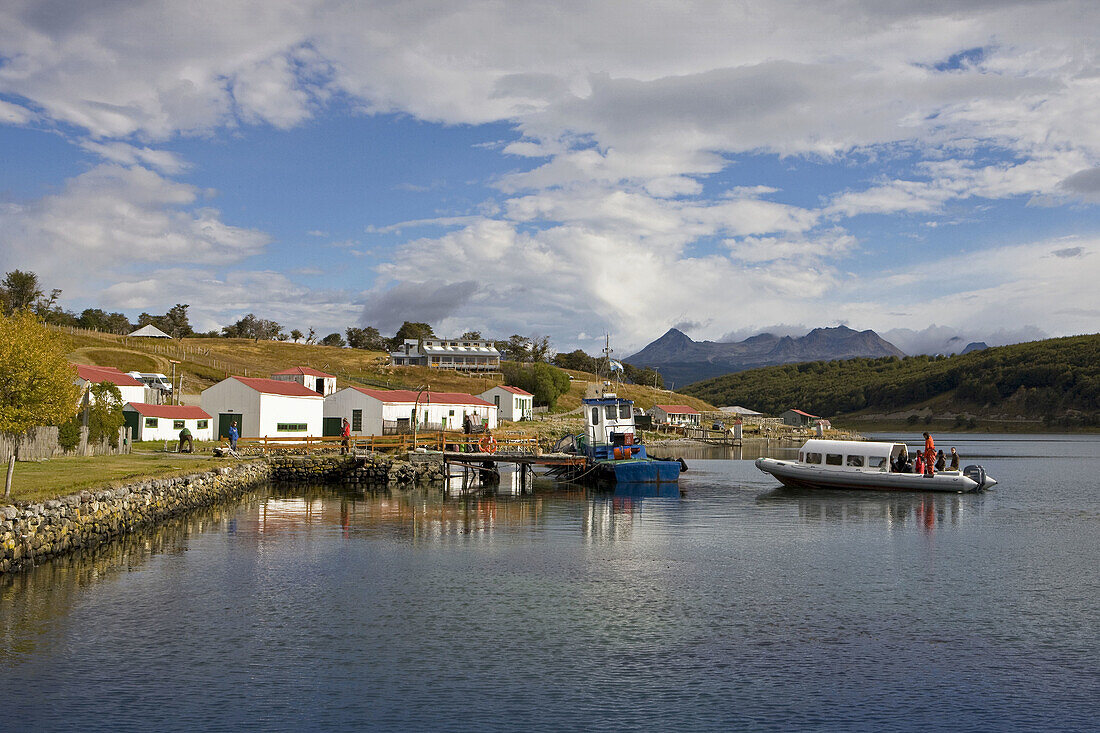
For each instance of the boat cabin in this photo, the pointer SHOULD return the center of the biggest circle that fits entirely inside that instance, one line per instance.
(852, 455)
(609, 427)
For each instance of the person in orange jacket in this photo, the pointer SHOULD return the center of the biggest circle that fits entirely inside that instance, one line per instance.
(929, 454)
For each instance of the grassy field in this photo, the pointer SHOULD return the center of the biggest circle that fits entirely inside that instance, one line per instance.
(38, 481)
(351, 367)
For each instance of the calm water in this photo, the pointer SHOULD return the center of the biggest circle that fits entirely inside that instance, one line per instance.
(737, 606)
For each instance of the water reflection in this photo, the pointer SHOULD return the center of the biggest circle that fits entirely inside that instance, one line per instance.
(926, 511)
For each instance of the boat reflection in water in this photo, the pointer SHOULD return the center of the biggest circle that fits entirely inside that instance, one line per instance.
(926, 511)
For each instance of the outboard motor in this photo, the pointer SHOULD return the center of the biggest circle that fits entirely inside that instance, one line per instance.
(978, 475)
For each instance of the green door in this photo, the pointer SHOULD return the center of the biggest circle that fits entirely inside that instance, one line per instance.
(332, 426)
(132, 421)
(225, 419)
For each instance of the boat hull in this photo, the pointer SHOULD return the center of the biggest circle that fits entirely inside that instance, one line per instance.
(801, 476)
(640, 471)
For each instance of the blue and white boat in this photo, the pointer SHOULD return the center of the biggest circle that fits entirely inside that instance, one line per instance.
(610, 443)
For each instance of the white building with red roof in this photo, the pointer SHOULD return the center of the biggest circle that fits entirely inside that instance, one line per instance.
(674, 415)
(320, 382)
(264, 408)
(164, 422)
(512, 402)
(381, 412)
(131, 389)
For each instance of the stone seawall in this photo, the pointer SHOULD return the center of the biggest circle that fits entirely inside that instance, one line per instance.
(38, 531)
(372, 470)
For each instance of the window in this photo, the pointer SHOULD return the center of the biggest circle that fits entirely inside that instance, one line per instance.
(202, 424)
(855, 461)
(595, 416)
(876, 461)
(450, 413)
(177, 424)
(291, 427)
(834, 459)
(356, 419)
(150, 422)
(496, 400)
(624, 411)
(814, 458)
(609, 412)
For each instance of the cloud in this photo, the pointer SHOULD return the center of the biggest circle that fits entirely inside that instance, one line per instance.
(125, 154)
(430, 303)
(113, 219)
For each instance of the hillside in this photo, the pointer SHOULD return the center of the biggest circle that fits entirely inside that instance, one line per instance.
(1055, 380)
(682, 361)
(205, 362)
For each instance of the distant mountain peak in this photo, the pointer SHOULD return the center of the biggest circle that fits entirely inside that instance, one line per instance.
(682, 360)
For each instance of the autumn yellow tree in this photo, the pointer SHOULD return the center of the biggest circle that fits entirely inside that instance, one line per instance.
(37, 384)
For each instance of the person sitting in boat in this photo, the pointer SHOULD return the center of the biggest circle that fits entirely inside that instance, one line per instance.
(918, 465)
(941, 461)
(901, 465)
(954, 459)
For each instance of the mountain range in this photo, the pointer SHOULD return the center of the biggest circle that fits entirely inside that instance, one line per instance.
(682, 361)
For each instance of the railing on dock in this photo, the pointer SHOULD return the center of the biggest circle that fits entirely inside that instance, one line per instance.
(438, 440)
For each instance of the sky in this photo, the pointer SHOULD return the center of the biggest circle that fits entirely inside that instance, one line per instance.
(928, 169)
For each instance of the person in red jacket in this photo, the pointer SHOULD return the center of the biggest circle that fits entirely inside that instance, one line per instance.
(929, 454)
(345, 433)
(918, 465)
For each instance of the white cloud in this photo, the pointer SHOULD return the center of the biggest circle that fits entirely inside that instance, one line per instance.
(125, 154)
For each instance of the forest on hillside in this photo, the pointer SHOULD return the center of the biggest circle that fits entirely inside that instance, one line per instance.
(1054, 378)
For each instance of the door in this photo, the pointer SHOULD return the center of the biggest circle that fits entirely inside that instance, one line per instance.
(133, 421)
(332, 426)
(320, 385)
(225, 419)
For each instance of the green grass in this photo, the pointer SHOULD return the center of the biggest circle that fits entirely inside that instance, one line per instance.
(38, 481)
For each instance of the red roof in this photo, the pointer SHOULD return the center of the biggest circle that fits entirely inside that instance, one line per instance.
(274, 386)
(175, 412)
(307, 371)
(426, 398)
(97, 375)
(515, 390)
(678, 409)
(806, 414)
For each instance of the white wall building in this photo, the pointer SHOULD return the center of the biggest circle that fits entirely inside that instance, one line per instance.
(378, 411)
(674, 415)
(131, 389)
(264, 408)
(164, 422)
(513, 403)
(310, 378)
(464, 355)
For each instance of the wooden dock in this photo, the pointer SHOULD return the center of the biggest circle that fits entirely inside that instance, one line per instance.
(484, 465)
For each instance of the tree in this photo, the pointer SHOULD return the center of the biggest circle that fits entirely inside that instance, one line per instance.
(366, 338)
(577, 360)
(411, 330)
(21, 291)
(516, 348)
(471, 336)
(311, 336)
(251, 327)
(296, 335)
(540, 349)
(37, 385)
(104, 412)
(545, 382)
(333, 339)
(175, 321)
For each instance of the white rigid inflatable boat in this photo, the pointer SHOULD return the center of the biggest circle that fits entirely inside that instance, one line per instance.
(853, 464)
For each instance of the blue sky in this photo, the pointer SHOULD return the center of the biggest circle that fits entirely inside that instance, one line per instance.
(553, 170)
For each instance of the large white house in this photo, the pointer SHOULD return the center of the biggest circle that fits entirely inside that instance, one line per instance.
(310, 378)
(513, 402)
(264, 408)
(164, 422)
(464, 355)
(380, 411)
(131, 389)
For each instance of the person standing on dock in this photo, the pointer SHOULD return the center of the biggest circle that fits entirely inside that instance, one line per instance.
(345, 434)
(929, 455)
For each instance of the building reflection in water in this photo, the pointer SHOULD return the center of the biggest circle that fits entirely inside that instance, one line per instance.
(925, 511)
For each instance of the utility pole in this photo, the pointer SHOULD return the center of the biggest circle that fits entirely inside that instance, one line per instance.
(175, 396)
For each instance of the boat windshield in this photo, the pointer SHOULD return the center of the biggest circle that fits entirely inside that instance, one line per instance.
(624, 410)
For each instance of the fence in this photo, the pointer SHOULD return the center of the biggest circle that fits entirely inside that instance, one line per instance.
(41, 444)
(402, 443)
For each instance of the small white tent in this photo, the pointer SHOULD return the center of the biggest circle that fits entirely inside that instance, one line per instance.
(151, 331)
